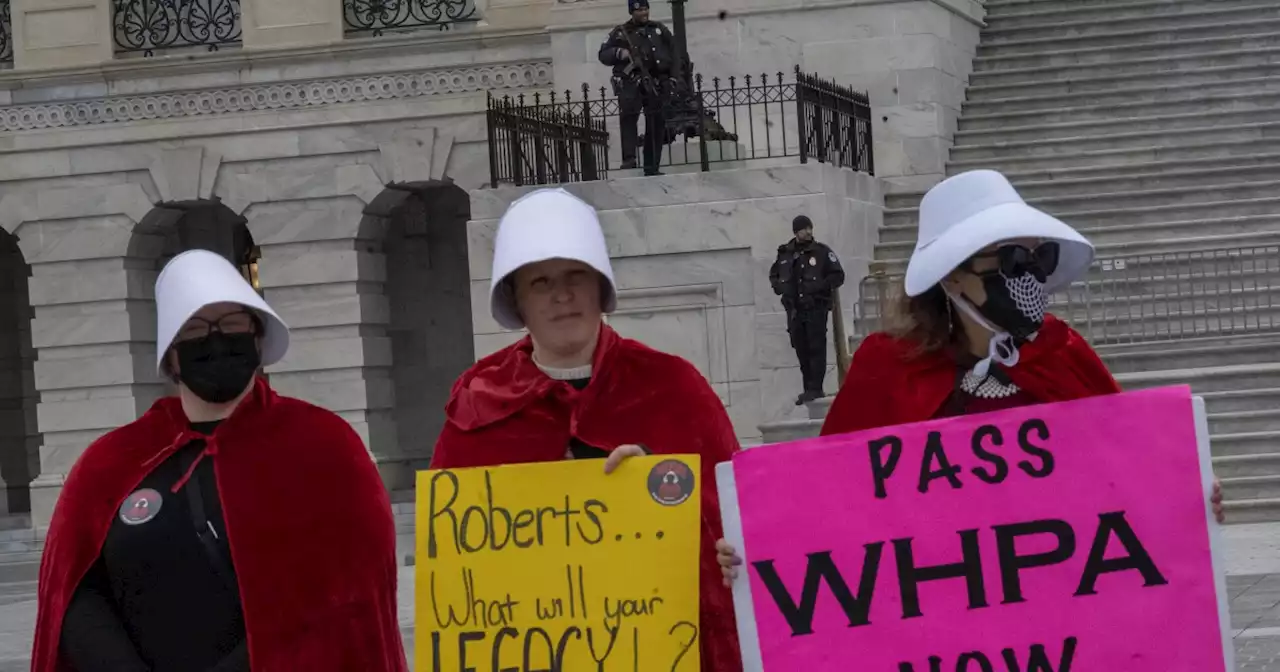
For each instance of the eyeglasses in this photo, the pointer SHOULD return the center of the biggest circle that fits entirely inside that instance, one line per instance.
(240, 322)
(1015, 261)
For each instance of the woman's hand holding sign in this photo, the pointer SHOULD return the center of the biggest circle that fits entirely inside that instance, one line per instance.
(622, 453)
(1216, 500)
(728, 558)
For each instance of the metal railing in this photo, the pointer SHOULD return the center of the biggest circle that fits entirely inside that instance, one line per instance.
(6, 32)
(1140, 298)
(376, 17)
(835, 123)
(719, 120)
(149, 25)
(544, 144)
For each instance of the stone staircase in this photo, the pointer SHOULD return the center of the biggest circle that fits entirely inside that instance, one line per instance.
(1152, 126)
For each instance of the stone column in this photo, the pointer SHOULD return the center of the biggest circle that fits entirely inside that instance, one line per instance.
(92, 289)
(60, 33)
(290, 23)
(323, 274)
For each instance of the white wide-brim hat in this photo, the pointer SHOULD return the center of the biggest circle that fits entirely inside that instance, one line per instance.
(199, 278)
(964, 214)
(541, 225)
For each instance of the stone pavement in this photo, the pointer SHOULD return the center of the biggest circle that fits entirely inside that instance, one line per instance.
(1253, 586)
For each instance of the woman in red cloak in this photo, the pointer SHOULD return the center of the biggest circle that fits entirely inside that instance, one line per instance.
(971, 333)
(574, 389)
(228, 528)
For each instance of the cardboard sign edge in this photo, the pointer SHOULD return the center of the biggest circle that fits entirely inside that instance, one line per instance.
(731, 519)
(1217, 542)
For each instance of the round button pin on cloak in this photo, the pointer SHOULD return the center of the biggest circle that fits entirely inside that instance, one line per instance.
(141, 507)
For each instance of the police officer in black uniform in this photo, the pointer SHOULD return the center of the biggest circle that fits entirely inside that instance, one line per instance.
(646, 70)
(805, 275)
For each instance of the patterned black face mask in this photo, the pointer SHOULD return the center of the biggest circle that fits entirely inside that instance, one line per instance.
(1016, 304)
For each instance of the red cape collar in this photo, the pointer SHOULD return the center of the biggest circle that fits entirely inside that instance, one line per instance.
(508, 381)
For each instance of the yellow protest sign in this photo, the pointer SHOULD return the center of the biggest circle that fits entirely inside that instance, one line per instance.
(557, 567)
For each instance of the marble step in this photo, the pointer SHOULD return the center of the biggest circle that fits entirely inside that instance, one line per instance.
(1226, 108)
(998, 60)
(1252, 511)
(1087, 149)
(1083, 216)
(999, 7)
(1106, 81)
(1175, 122)
(1205, 381)
(1236, 466)
(1246, 443)
(1156, 238)
(1245, 421)
(1195, 353)
(1198, 175)
(1002, 17)
(1050, 35)
(1104, 196)
(1237, 488)
(1131, 241)
(1156, 154)
(1251, 278)
(1129, 67)
(1137, 175)
(1255, 399)
(1172, 96)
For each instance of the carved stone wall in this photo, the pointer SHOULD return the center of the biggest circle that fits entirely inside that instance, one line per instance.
(300, 149)
(691, 255)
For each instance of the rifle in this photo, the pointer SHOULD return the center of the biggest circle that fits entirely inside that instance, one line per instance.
(637, 63)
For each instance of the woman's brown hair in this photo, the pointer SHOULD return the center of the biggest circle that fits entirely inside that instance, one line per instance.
(925, 319)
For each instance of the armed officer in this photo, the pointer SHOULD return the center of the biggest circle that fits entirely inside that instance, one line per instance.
(646, 70)
(805, 275)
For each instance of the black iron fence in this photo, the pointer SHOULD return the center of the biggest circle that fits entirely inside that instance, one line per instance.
(147, 25)
(544, 143)
(835, 123)
(6, 32)
(714, 121)
(375, 17)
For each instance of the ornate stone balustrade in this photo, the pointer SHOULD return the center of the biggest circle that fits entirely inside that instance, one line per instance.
(145, 26)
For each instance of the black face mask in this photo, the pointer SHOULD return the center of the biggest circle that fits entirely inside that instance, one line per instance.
(218, 367)
(1016, 305)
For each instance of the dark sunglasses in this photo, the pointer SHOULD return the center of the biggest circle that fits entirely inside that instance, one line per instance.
(1014, 261)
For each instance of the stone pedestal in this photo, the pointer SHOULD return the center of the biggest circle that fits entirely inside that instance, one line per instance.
(287, 23)
(913, 57)
(691, 255)
(60, 33)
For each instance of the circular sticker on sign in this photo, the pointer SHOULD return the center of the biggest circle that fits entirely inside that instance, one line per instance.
(140, 507)
(813, 261)
(671, 482)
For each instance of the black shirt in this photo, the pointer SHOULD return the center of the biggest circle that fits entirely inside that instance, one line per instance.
(160, 598)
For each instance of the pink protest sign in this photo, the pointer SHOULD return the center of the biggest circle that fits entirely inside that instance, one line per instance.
(1050, 538)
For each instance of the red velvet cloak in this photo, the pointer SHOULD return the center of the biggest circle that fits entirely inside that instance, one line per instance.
(307, 518)
(889, 383)
(504, 410)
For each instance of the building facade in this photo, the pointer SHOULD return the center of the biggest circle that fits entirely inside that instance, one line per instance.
(330, 147)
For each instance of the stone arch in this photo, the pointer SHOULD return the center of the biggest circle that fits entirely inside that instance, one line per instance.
(19, 433)
(421, 229)
(171, 228)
